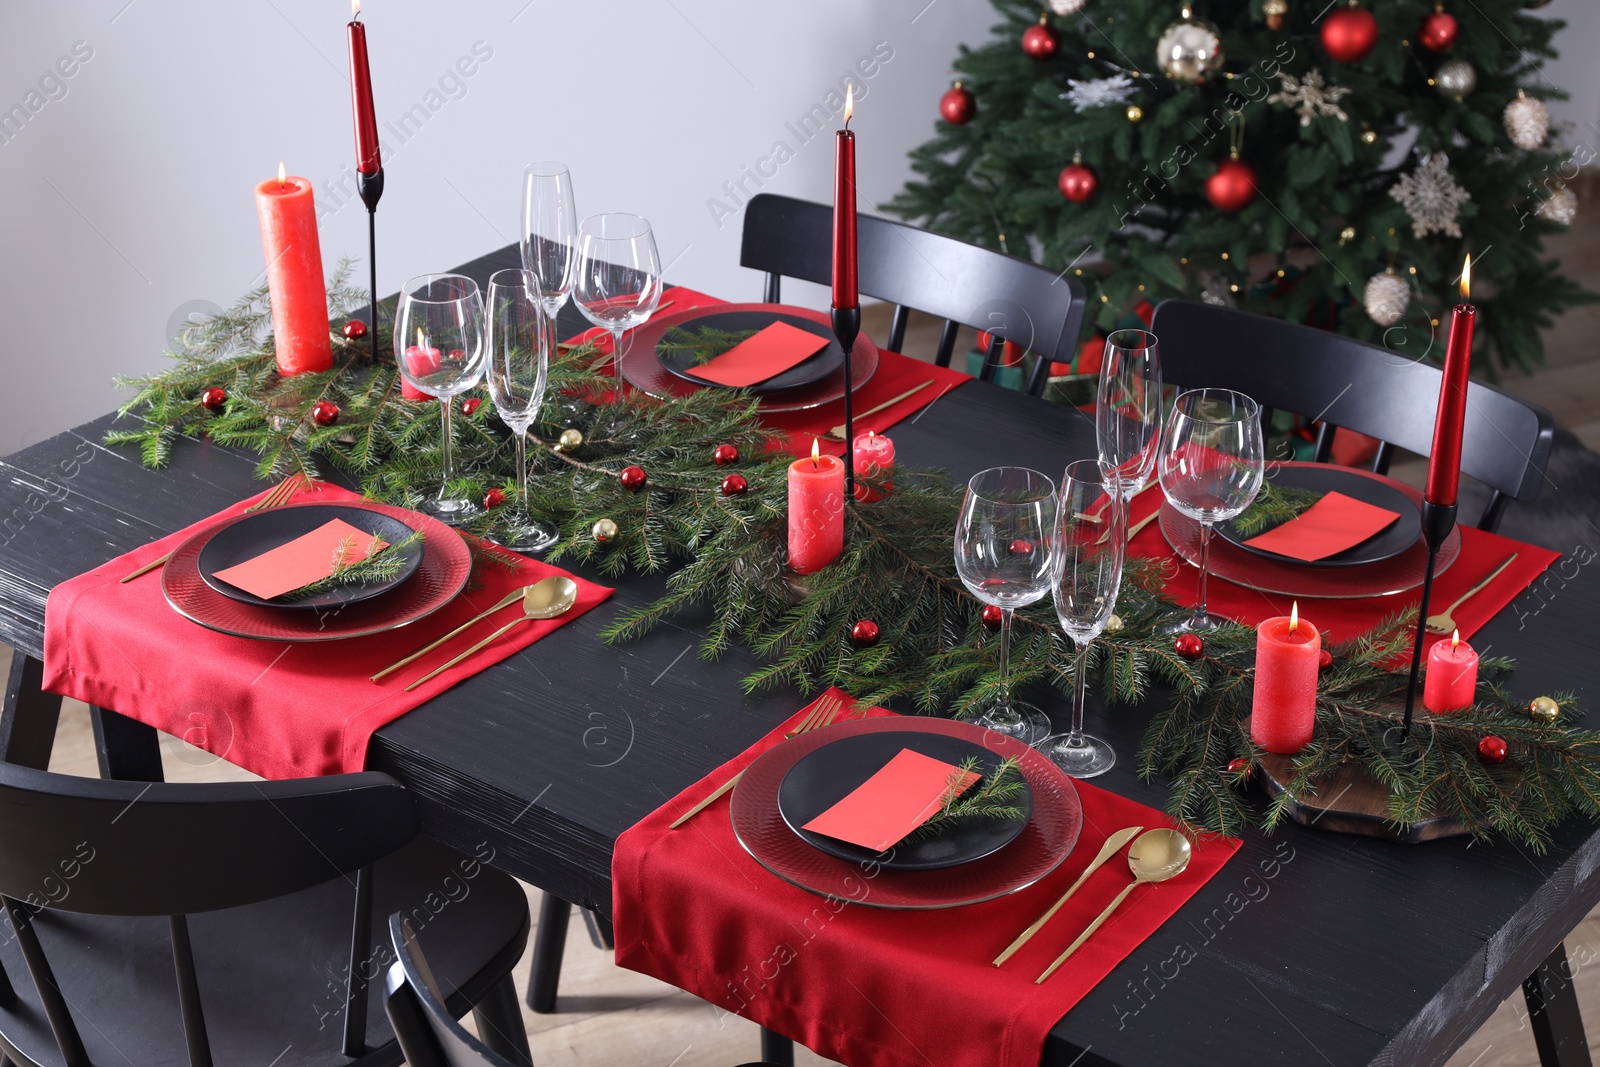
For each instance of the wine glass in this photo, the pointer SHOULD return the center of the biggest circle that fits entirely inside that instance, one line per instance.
(438, 343)
(1211, 468)
(619, 273)
(521, 338)
(1003, 555)
(1127, 420)
(549, 231)
(1092, 504)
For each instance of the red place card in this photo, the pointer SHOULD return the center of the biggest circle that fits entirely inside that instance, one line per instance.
(1326, 528)
(308, 558)
(766, 355)
(896, 800)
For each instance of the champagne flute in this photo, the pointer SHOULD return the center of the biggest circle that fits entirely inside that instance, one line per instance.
(1211, 468)
(1088, 577)
(521, 338)
(439, 345)
(619, 273)
(1127, 421)
(1003, 555)
(549, 231)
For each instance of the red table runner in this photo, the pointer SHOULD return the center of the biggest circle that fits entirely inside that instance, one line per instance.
(280, 710)
(869, 986)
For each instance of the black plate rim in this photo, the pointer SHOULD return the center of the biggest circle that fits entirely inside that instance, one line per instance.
(1354, 555)
(816, 367)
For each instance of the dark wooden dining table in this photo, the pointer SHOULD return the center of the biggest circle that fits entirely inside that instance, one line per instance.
(1309, 947)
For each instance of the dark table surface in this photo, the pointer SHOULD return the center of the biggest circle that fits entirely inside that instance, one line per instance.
(1308, 947)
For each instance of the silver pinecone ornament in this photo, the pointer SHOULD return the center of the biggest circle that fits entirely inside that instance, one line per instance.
(1067, 7)
(1560, 207)
(1527, 121)
(1387, 296)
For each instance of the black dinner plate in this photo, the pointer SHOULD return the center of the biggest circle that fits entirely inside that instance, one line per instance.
(1387, 543)
(263, 531)
(823, 778)
(807, 372)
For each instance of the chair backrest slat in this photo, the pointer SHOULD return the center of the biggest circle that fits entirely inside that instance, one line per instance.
(897, 328)
(428, 1034)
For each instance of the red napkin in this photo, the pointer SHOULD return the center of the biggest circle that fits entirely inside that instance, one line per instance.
(681, 298)
(864, 985)
(280, 710)
(773, 350)
(896, 374)
(901, 796)
(1326, 528)
(309, 558)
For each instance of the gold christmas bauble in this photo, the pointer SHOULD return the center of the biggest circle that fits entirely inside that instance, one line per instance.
(1544, 709)
(570, 440)
(604, 529)
(1135, 112)
(1114, 624)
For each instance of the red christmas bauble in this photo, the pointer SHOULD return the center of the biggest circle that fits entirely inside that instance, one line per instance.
(734, 485)
(1233, 186)
(1078, 183)
(1039, 41)
(494, 498)
(471, 404)
(325, 413)
(1349, 33)
(723, 455)
(1189, 646)
(1438, 33)
(633, 478)
(1492, 749)
(992, 616)
(1022, 547)
(214, 399)
(1324, 659)
(1239, 765)
(864, 633)
(958, 105)
(355, 330)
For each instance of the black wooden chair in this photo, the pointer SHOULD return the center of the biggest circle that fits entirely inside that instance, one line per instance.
(1344, 383)
(1013, 299)
(231, 923)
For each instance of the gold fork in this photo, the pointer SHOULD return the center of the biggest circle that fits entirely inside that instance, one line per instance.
(281, 493)
(822, 714)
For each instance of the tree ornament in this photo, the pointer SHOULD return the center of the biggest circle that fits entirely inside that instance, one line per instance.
(1527, 121)
(1438, 32)
(1349, 33)
(494, 498)
(724, 455)
(1233, 185)
(1190, 646)
(1560, 207)
(1067, 7)
(1544, 709)
(1022, 547)
(864, 633)
(1084, 95)
(1431, 197)
(1039, 41)
(604, 531)
(471, 404)
(1324, 660)
(325, 413)
(1135, 113)
(355, 330)
(1311, 96)
(958, 105)
(1077, 182)
(214, 399)
(1217, 290)
(1114, 624)
(570, 440)
(1387, 296)
(1274, 11)
(633, 478)
(993, 617)
(1239, 765)
(1189, 50)
(734, 485)
(1492, 750)
(1455, 79)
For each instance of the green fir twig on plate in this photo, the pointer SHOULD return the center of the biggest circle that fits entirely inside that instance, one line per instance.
(704, 344)
(994, 796)
(379, 563)
(1273, 506)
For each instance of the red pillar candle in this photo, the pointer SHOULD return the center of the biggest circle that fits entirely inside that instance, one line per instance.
(1444, 460)
(368, 161)
(294, 274)
(845, 292)
(420, 362)
(873, 457)
(816, 511)
(1283, 710)
(1452, 679)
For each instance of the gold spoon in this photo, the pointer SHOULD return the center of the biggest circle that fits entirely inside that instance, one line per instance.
(1154, 856)
(1443, 623)
(543, 600)
(505, 602)
(1112, 846)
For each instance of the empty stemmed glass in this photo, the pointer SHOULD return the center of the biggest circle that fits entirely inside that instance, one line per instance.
(1127, 420)
(619, 273)
(1211, 468)
(549, 231)
(1003, 555)
(438, 343)
(1088, 576)
(521, 338)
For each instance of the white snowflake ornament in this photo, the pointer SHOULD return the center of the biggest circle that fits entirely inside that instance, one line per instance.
(1431, 197)
(1086, 94)
(1311, 96)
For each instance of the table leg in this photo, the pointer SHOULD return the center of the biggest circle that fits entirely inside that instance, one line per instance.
(29, 717)
(776, 1049)
(128, 750)
(549, 944)
(600, 930)
(1553, 1011)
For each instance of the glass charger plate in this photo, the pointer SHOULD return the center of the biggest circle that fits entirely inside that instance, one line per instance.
(808, 371)
(1323, 478)
(1044, 843)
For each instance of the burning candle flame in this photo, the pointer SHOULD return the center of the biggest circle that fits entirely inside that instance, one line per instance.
(282, 176)
(1466, 278)
(422, 340)
(1294, 616)
(849, 102)
(816, 453)
(1455, 639)
(355, 10)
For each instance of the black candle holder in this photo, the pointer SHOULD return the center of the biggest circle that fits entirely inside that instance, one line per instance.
(370, 186)
(846, 327)
(1437, 522)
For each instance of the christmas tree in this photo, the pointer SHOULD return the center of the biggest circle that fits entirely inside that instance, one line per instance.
(1330, 164)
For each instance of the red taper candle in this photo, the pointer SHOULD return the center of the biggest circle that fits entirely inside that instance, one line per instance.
(845, 293)
(368, 160)
(1444, 461)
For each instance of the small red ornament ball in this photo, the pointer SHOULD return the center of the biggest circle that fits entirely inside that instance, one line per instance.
(958, 105)
(1233, 186)
(355, 330)
(1349, 33)
(633, 478)
(214, 399)
(1324, 659)
(471, 404)
(1022, 547)
(1438, 33)
(1492, 749)
(1239, 765)
(734, 485)
(724, 455)
(992, 617)
(1078, 183)
(1039, 41)
(1189, 646)
(864, 633)
(325, 413)
(494, 498)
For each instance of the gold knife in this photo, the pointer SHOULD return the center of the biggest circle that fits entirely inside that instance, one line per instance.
(1112, 846)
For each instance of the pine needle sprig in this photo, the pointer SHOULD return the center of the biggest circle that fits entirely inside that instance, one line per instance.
(993, 796)
(377, 563)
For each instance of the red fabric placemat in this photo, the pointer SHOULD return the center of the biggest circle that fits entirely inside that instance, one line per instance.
(864, 985)
(280, 710)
